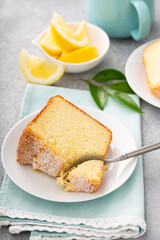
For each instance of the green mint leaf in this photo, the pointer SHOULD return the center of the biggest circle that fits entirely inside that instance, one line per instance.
(109, 75)
(99, 95)
(126, 99)
(121, 86)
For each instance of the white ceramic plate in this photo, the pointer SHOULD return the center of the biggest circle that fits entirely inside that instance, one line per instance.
(97, 37)
(135, 74)
(43, 186)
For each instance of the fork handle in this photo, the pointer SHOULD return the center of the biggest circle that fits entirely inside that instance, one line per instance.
(135, 153)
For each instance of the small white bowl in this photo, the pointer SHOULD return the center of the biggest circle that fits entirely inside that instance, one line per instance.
(97, 37)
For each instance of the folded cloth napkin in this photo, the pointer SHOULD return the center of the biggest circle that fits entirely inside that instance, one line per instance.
(118, 214)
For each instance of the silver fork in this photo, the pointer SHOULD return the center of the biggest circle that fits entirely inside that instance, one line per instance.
(125, 156)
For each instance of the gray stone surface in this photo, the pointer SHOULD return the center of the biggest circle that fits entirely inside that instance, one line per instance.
(21, 21)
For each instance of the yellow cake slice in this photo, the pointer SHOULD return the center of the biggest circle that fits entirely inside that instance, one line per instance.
(60, 134)
(86, 177)
(151, 61)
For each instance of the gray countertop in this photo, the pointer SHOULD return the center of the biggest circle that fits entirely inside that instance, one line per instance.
(21, 21)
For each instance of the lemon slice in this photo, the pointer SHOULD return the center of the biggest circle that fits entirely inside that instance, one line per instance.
(49, 45)
(81, 55)
(65, 37)
(38, 70)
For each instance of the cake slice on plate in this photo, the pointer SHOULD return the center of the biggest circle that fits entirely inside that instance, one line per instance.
(151, 61)
(60, 134)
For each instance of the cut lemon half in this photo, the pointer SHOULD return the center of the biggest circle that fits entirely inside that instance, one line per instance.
(65, 37)
(38, 70)
(49, 45)
(84, 54)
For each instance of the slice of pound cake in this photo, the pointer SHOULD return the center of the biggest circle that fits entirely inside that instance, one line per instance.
(86, 177)
(151, 61)
(60, 134)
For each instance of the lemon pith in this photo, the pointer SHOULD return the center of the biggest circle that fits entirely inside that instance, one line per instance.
(38, 70)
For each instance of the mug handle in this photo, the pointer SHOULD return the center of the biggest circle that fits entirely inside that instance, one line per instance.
(144, 20)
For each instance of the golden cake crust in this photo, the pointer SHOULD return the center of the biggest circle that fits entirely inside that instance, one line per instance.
(155, 89)
(50, 100)
(59, 96)
(32, 150)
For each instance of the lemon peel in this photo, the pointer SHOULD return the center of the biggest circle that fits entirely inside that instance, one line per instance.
(65, 37)
(39, 71)
(49, 45)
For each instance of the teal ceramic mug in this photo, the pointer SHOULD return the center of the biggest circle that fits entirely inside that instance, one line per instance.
(121, 18)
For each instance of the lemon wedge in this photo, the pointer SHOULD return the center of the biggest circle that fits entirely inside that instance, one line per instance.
(65, 37)
(84, 54)
(49, 45)
(38, 70)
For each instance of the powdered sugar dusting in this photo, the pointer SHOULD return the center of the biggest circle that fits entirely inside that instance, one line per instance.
(80, 184)
(46, 161)
(32, 151)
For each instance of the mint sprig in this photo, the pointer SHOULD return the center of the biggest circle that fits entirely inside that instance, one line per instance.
(116, 86)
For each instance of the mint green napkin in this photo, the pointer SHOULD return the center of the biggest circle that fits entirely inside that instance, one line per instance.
(119, 214)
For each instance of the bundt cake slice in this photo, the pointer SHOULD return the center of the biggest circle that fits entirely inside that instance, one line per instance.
(151, 61)
(60, 134)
